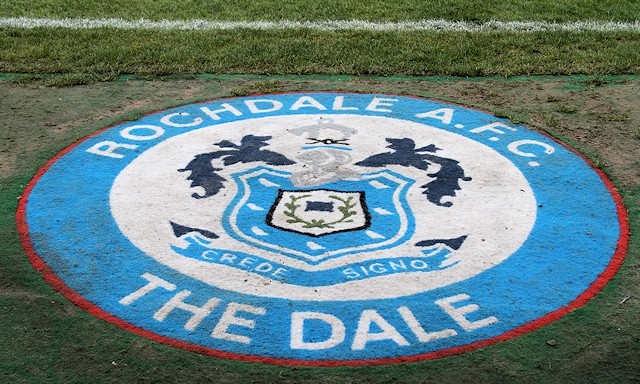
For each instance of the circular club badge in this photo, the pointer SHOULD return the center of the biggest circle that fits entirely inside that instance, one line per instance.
(324, 228)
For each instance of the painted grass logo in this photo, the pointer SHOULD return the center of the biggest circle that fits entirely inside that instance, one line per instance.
(324, 228)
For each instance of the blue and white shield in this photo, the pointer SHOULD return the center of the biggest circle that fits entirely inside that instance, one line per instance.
(327, 221)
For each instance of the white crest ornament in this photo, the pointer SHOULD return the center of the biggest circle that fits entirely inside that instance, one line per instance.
(324, 228)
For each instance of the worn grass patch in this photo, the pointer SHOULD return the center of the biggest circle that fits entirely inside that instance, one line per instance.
(62, 80)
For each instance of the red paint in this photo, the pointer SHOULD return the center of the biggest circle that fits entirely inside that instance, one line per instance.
(581, 300)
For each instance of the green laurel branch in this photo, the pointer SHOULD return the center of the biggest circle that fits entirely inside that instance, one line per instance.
(345, 209)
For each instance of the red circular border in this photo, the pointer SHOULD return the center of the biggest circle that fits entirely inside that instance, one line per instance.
(59, 285)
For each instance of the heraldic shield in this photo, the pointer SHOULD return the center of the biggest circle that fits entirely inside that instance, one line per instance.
(323, 222)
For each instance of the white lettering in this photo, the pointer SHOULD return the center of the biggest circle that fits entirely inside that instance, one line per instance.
(419, 264)
(338, 105)
(199, 313)
(458, 314)
(493, 127)
(166, 120)
(350, 273)
(127, 132)
(307, 102)
(363, 336)
(154, 282)
(380, 268)
(229, 318)
(247, 262)
(443, 114)
(251, 104)
(515, 147)
(225, 108)
(263, 267)
(107, 148)
(419, 331)
(209, 255)
(377, 268)
(399, 264)
(279, 272)
(378, 102)
(297, 331)
(228, 257)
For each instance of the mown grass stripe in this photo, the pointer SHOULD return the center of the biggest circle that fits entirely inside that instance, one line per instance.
(328, 25)
(381, 53)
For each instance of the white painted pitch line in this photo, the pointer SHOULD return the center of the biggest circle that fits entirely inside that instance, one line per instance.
(328, 25)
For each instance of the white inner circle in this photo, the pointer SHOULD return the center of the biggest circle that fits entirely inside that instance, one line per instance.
(496, 209)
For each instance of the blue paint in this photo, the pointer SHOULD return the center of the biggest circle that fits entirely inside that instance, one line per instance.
(433, 260)
(291, 243)
(72, 229)
(327, 146)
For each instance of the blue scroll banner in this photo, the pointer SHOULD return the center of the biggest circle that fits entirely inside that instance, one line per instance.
(434, 258)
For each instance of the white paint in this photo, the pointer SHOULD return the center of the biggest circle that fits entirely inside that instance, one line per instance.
(128, 133)
(154, 283)
(307, 102)
(225, 108)
(246, 263)
(258, 231)
(264, 267)
(493, 127)
(515, 147)
(298, 320)
(443, 114)
(378, 102)
(364, 336)
(327, 25)
(459, 313)
(338, 105)
(235, 216)
(254, 107)
(378, 185)
(418, 330)
(374, 235)
(254, 207)
(177, 302)
(314, 246)
(108, 149)
(382, 211)
(229, 318)
(503, 226)
(166, 120)
(418, 264)
(268, 183)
